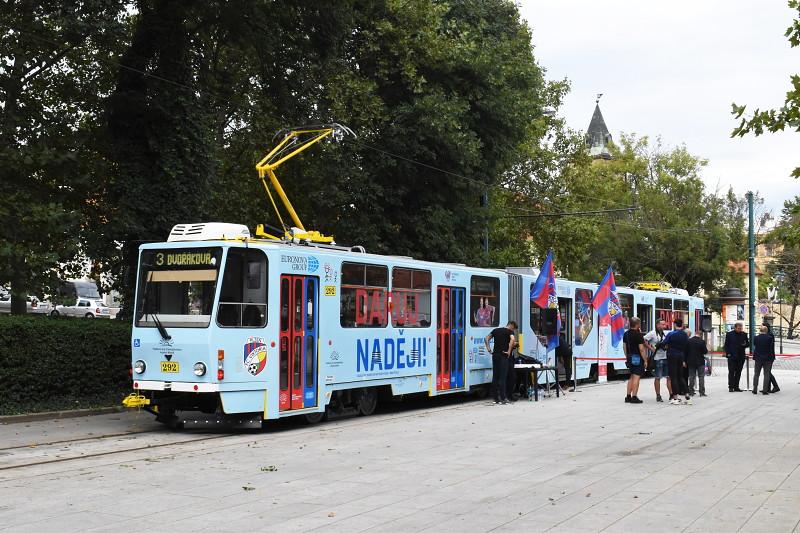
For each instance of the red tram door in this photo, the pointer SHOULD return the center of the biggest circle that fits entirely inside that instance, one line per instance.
(298, 342)
(450, 338)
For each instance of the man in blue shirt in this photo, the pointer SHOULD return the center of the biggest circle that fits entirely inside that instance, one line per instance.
(675, 344)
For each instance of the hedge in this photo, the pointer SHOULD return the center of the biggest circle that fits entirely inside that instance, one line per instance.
(62, 363)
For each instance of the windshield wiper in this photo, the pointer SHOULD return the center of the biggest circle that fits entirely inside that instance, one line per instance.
(161, 329)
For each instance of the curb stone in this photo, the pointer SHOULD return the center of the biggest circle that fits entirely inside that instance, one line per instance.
(52, 415)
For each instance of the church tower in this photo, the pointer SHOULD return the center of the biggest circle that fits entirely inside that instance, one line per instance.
(597, 136)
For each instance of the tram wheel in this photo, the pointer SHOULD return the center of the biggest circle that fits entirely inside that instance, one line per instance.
(367, 401)
(315, 418)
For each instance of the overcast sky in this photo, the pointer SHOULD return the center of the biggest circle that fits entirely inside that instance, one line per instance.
(672, 69)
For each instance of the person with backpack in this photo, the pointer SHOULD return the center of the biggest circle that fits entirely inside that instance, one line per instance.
(635, 356)
(658, 357)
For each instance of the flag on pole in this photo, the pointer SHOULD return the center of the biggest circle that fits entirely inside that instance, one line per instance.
(543, 295)
(609, 312)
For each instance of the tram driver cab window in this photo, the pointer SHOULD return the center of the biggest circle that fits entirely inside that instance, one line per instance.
(243, 300)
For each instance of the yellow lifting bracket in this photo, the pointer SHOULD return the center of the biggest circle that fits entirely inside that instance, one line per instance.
(135, 400)
(295, 141)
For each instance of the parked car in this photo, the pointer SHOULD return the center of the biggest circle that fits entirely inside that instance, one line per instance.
(84, 307)
(35, 307)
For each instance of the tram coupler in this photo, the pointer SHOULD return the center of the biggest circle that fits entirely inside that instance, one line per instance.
(135, 400)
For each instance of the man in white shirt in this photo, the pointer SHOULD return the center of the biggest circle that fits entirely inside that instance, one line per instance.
(659, 356)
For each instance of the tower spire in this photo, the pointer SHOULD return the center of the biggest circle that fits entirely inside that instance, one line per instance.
(597, 135)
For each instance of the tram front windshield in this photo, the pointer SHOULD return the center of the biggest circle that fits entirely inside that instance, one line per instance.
(177, 286)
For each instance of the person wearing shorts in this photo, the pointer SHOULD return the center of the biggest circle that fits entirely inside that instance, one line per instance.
(635, 357)
(659, 355)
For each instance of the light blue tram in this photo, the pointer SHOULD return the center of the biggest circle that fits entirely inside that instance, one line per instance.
(579, 321)
(226, 324)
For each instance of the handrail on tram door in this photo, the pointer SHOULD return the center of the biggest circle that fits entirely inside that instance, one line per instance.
(295, 140)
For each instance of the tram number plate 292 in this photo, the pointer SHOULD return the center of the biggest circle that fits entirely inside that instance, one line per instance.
(170, 366)
(330, 290)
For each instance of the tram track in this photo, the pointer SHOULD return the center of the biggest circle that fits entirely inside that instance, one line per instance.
(48, 449)
(103, 453)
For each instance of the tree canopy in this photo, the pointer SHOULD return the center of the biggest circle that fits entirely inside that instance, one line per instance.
(788, 115)
(122, 119)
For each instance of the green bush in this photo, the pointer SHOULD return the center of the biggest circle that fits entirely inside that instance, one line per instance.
(62, 363)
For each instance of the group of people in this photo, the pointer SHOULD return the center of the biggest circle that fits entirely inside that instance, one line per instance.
(736, 342)
(677, 355)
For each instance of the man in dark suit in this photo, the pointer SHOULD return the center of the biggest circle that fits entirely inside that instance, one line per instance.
(763, 356)
(736, 342)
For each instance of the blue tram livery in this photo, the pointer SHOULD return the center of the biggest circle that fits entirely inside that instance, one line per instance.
(227, 324)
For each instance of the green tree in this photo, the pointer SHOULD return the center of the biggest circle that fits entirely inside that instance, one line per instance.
(774, 120)
(52, 79)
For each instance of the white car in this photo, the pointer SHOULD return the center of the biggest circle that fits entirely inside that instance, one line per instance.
(35, 307)
(84, 307)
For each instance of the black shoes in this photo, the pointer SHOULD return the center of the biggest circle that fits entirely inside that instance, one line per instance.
(776, 389)
(627, 399)
(754, 390)
(764, 392)
(634, 399)
(658, 398)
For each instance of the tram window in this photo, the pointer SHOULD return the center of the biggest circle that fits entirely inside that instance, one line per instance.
(284, 304)
(626, 304)
(484, 301)
(363, 296)
(177, 287)
(584, 315)
(682, 310)
(243, 299)
(664, 310)
(536, 318)
(411, 298)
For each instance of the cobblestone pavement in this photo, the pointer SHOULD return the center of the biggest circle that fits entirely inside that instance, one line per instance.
(587, 462)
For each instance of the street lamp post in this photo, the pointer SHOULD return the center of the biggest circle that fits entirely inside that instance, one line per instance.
(779, 277)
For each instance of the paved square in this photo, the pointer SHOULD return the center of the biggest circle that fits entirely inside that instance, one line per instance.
(587, 462)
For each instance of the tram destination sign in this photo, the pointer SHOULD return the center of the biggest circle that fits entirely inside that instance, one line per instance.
(178, 259)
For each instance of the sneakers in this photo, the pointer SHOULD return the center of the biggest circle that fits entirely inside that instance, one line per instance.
(674, 401)
(505, 402)
(687, 401)
(658, 398)
(635, 399)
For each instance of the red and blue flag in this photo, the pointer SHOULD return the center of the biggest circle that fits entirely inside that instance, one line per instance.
(543, 295)
(609, 312)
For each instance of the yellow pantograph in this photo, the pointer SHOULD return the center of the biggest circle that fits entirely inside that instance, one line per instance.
(294, 141)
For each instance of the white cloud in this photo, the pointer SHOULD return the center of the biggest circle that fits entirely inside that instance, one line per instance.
(672, 69)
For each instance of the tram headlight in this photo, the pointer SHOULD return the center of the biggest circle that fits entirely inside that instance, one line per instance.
(139, 367)
(199, 369)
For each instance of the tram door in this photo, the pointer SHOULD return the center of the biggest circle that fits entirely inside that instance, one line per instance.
(645, 314)
(450, 338)
(298, 342)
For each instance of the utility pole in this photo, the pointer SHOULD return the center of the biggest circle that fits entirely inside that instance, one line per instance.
(751, 255)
